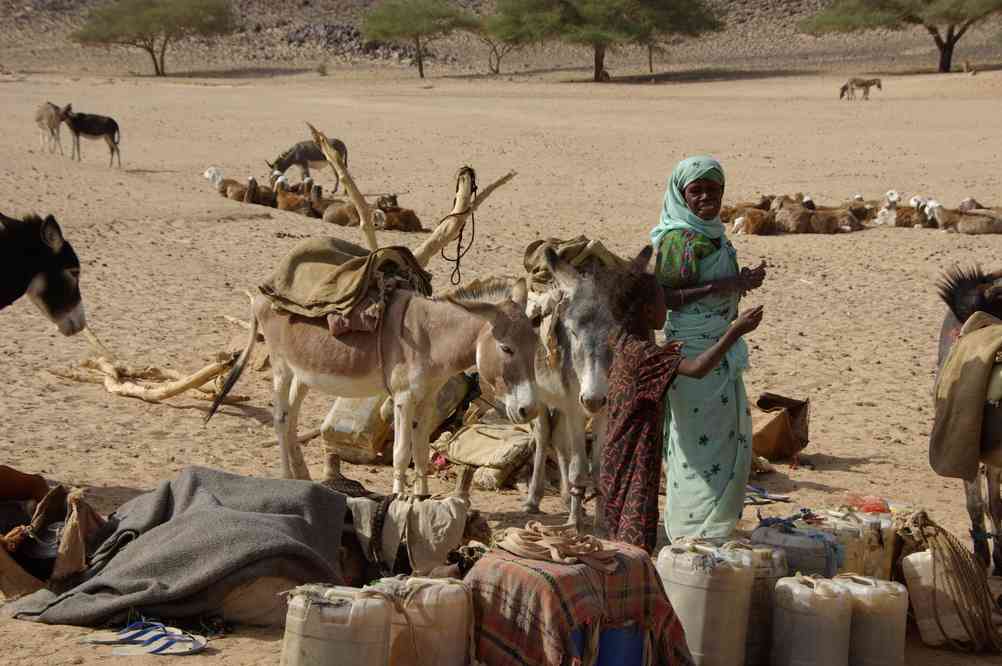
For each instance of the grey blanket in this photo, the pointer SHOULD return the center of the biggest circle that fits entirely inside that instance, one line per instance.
(176, 551)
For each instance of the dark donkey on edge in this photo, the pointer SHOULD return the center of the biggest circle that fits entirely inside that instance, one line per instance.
(965, 292)
(36, 260)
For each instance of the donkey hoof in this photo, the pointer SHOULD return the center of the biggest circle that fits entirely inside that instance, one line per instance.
(531, 507)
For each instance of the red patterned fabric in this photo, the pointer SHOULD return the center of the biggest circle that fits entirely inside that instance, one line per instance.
(526, 610)
(641, 372)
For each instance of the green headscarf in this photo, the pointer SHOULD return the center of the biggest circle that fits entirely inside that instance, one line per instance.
(675, 213)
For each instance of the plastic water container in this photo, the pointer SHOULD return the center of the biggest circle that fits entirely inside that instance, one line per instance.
(769, 565)
(882, 565)
(617, 646)
(879, 621)
(711, 596)
(811, 623)
(335, 626)
(809, 551)
(917, 568)
(434, 624)
(865, 547)
(358, 432)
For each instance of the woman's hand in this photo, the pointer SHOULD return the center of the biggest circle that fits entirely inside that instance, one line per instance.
(752, 278)
(748, 320)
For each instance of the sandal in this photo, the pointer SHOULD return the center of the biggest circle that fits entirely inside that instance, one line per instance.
(173, 643)
(135, 633)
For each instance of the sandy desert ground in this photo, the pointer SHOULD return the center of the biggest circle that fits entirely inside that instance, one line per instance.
(851, 320)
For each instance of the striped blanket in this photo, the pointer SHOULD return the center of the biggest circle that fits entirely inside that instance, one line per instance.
(526, 610)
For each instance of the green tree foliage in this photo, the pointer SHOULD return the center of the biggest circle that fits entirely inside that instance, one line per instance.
(946, 20)
(604, 25)
(153, 25)
(515, 25)
(416, 22)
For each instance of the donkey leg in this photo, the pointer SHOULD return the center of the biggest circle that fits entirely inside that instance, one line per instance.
(538, 481)
(420, 444)
(111, 150)
(578, 473)
(59, 141)
(281, 382)
(598, 424)
(976, 511)
(404, 409)
(994, 475)
(297, 392)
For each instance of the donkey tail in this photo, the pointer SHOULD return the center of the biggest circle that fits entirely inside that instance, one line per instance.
(238, 367)
(118, 135)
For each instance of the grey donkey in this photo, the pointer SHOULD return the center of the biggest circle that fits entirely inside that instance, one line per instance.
(48, 117)
(572, 376)
(306, 154)
(966, 291)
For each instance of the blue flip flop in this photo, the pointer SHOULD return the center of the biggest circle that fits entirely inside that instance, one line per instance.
(135, 633)
(172, 643)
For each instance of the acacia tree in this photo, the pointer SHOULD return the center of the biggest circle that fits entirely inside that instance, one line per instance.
(416, 22)
(153, 25)
(514, 25)
(946, 20)
(604, 25)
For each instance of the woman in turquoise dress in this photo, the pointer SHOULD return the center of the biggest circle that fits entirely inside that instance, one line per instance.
(708, 435)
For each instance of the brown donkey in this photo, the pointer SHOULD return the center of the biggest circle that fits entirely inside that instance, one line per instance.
(420, 344)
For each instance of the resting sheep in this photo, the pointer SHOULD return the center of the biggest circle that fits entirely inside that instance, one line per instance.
(318, 203)
(286, 200)
(256, 194)
(226, 187)
(394, 217)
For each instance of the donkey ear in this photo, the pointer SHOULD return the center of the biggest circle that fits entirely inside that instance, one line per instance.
(639, 262)
(520, 293)
(565, 274)
(52, 235)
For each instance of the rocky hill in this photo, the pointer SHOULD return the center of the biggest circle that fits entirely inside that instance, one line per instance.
(300, 35)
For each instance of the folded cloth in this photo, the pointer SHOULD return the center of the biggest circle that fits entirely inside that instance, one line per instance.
(526, 610)
(580, 252)
(329, 277)
(961, 391)
(177, 551)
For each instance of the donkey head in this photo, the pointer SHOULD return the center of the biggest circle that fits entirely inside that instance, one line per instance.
(966, 291)
(585, 323)
(47, 269)
(506, 352)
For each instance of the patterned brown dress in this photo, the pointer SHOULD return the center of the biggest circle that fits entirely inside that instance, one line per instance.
(640, 375)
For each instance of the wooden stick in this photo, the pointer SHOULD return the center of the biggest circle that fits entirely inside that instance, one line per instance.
(361, 205)
(449, 229)
(114, 383)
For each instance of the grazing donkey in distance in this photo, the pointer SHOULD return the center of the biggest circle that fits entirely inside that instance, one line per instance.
(48, 117)
(306, 154)
(94, 127)
(36, 260)
(848, 89)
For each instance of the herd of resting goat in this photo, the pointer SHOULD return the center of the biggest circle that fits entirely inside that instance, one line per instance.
(531, 346)
(799, 214)
(306, 197)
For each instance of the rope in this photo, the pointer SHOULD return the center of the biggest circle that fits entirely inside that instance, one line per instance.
(955, 572)
(560, 544)
(457, 275)
(413, 586)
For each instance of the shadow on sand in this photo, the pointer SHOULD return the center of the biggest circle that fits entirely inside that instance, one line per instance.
(238, 73)
(702, 75)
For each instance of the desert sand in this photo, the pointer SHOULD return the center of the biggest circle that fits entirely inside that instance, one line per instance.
(851, 321)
